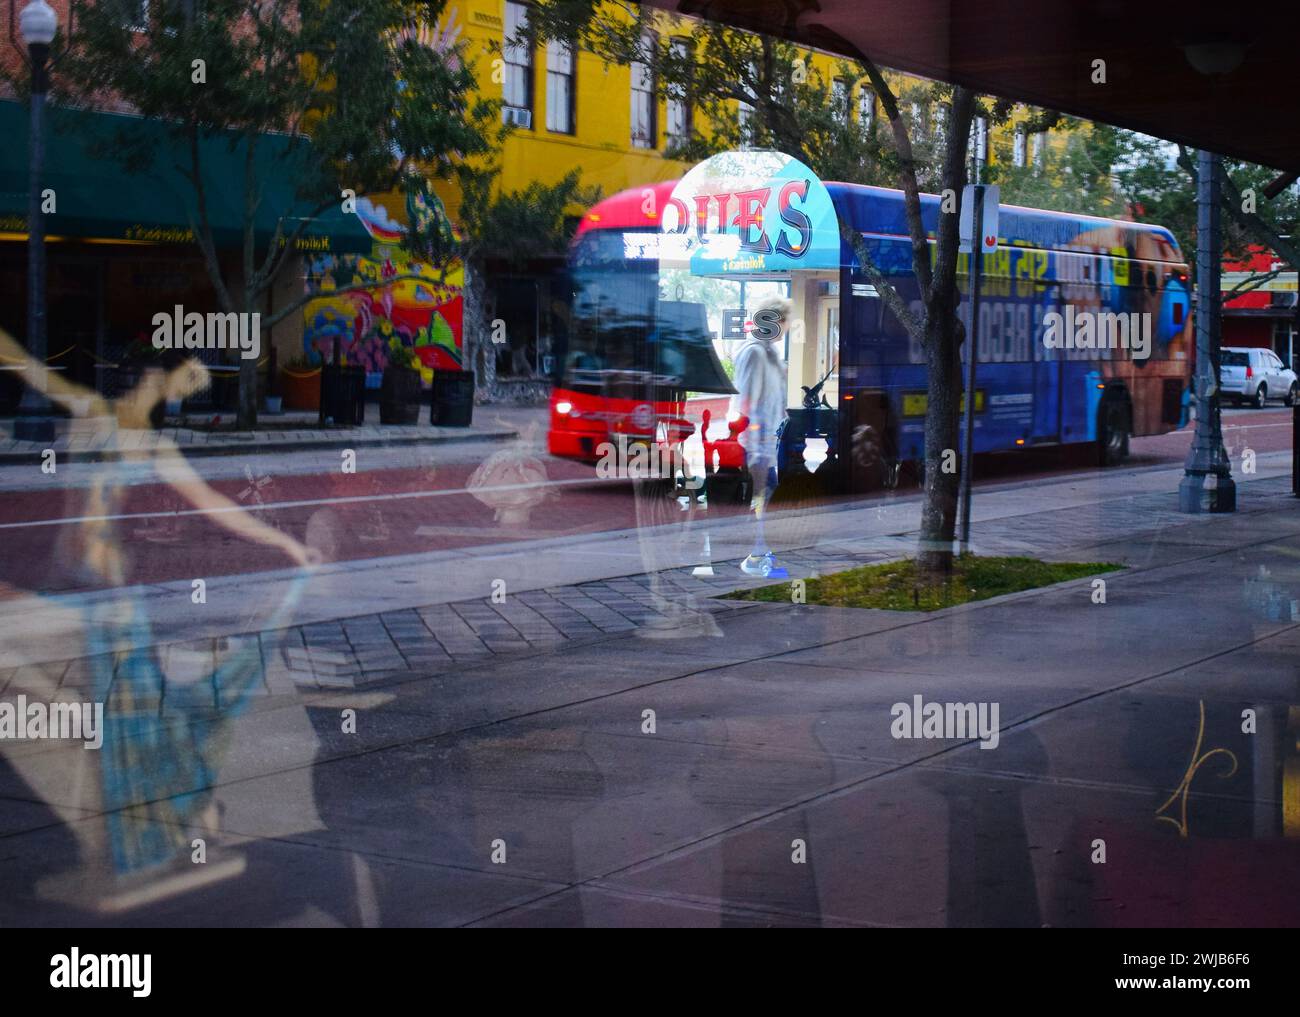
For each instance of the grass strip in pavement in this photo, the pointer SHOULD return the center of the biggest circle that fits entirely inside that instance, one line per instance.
(896, 586)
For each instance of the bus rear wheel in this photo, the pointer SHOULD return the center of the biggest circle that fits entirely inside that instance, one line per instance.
(1113, 430)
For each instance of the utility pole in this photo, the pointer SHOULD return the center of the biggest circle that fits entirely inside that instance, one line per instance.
(972, 354)
(974, 234)
(1207, 484)
(34, 421)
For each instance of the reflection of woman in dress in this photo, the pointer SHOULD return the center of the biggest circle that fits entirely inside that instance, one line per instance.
(160, 756)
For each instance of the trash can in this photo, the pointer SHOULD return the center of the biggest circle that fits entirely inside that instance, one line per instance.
(342, 395)
(453, 398)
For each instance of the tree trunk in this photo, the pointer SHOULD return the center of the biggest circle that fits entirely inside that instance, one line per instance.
(478, 352)
(246, 415)
(943, 337)
(944, 385)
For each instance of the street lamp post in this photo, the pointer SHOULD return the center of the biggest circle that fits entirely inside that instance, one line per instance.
(38, 24)
(1207, 484)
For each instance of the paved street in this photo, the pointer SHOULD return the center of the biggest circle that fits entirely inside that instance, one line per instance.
(500, 766)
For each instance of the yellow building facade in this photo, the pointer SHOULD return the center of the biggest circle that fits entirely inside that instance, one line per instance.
(599, 142)
(599, 116)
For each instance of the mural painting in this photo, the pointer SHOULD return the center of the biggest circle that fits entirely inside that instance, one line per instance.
(424, 314)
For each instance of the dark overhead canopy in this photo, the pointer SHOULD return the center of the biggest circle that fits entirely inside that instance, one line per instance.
(1042, 52)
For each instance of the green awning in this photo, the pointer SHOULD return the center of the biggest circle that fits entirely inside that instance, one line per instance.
(98, 198)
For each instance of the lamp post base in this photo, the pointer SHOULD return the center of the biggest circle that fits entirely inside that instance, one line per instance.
(1207, 492)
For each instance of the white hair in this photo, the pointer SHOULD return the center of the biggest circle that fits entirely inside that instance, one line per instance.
(781, 305)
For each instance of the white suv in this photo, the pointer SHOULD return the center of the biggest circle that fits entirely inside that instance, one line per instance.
(1248, 374)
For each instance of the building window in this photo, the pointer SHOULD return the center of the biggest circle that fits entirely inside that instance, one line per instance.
(680, 114)
(981, 139)
(745, 118)
(866, 110)
(840, 100)
(916, 111)
(645, 130)
(559, 87)
(1019, 152)
(939, 121)
(745, 110)
(518, 87)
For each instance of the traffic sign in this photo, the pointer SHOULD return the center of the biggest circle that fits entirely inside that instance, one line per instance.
(988, 221)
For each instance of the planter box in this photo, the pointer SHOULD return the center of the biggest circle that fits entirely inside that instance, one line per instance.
(452, 402)
(342, 396)
(399, 396)
(300, 389)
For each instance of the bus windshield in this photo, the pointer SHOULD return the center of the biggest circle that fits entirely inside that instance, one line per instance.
(622, 330)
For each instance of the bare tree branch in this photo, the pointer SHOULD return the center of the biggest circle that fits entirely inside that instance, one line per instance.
(892, 298)
(251, 201)
(907, 169)
(269, 321)
(1256, 227)
(1252, 283)
(203, 227)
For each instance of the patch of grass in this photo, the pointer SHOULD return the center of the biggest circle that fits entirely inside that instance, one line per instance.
(896, 586)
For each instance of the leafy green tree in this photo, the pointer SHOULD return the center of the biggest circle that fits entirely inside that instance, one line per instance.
(1254, 219)
(1250, 218)
(510, 228)
(365, 91)
(791, 104)
(1075, 175)
(1108, 171)
(1155, 181)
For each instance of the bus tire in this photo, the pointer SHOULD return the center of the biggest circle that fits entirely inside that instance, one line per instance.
(1114, 426)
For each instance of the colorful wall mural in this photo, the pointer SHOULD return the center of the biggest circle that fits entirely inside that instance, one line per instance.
(423, 314)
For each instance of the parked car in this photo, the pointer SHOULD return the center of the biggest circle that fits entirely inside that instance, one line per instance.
(1255, 376)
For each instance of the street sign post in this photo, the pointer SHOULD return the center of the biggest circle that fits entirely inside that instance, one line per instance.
(979, 205)
(986, 215)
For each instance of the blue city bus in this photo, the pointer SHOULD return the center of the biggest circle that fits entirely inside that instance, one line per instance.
(1055, 287)
(1027, 394)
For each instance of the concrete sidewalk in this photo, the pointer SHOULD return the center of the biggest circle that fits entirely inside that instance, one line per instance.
(1014, 518)
(95, 440)
(511, 766)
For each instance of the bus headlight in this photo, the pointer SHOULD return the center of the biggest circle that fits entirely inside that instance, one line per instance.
(564, 407)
